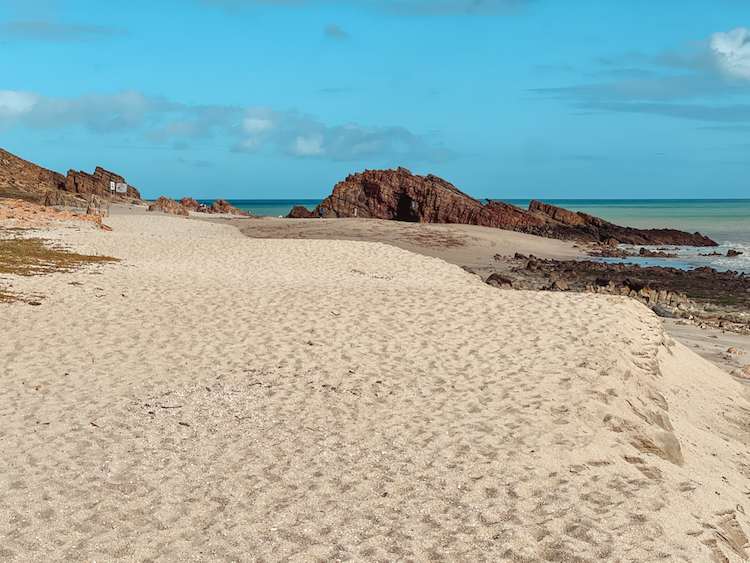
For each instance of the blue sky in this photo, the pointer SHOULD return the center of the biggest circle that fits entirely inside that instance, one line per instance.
(282, 98)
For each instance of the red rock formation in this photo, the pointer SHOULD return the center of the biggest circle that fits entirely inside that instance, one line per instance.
(301, 212)
(187, 204)
(598, 230)
(190, 203)
(25, 180)
(99, 183)
(166, 205)
(223, 206)
(402, 196)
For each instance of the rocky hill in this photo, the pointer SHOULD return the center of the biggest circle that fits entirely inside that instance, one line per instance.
(400, 195)
(22, 179)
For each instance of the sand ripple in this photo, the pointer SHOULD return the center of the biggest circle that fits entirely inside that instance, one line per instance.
(221, 398)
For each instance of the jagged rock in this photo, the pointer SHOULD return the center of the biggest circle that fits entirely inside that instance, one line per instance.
(166, 205)
(663, 311)
(645, 252)
(223, 206)
(190, 204)
(22, 179)
(99, 183)
(60, 198)
(559, 285)
(497, 280)
(732, 253)
(403, 196)
(588, 227)
(301, 212)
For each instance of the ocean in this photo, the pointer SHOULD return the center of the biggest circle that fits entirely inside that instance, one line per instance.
(727, 221)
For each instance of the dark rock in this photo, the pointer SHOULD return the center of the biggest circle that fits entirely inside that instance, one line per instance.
(224, 207)
(25, 180)
(497, 280)
(403, 196)
(301, 212)
(99, 183)
(655, 253)
(559, 285)
(170, 206)
(190, 203)
(595, 229)
(731, 253)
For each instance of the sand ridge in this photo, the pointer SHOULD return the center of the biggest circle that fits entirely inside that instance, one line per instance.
(215, 397)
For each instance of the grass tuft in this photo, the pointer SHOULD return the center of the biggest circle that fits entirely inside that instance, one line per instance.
(35, 256)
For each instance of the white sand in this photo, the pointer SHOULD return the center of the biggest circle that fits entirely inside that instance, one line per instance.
(220, 398)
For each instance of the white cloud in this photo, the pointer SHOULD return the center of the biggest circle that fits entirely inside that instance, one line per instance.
(308, 146)
(14, 104)
(731, 51)
(243, 129)
(257, 125)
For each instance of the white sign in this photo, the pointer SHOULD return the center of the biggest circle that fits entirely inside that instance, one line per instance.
(111, 186)
(121, 188)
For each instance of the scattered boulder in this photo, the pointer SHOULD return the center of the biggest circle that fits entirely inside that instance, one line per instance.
(663, 311)
(558, 285)
(170, 206)
(497, 280)
(190, 204)
(224, 207)
(301, 212)
(732, 253)
(645, 252)
(59, 198)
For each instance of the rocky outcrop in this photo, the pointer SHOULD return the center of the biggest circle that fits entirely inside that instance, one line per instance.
(101, 183)
(301, 212)
(188, 204)
(403, 196)
(22, 179)
(595, 229)
(170, 206)
(224, 207)
(720, 299)
(26, 180)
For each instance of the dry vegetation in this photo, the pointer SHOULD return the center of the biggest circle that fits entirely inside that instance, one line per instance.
(36, 256)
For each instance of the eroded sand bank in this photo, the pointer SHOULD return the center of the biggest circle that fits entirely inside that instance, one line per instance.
(216, 397)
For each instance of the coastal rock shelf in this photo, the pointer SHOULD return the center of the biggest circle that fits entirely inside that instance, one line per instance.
(720, 299)
(402, 196)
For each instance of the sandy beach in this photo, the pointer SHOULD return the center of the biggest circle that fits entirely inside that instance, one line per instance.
(215, 397)
(475, 248)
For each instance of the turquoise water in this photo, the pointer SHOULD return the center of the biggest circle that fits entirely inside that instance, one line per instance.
(725, 221)
(268, 207)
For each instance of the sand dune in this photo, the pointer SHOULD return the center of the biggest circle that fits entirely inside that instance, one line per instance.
(219, 398)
